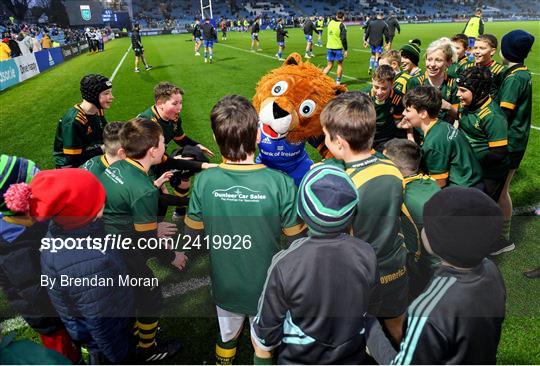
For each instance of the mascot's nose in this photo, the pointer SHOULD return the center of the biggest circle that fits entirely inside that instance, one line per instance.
(278, 112)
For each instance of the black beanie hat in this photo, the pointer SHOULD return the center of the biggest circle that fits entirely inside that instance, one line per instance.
(411, 50)
(327, 200)
(92, 85)
(516, 45)
(462, 225)
(478, 80)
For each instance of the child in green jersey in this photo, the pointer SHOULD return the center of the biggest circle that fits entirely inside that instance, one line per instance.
(484, 49)
(515, 99)
(447, 155)
(349, 122)
(111, 147)
(419, 188)
(461, 43)
(243, 208)
(485, 127)
(131, 210)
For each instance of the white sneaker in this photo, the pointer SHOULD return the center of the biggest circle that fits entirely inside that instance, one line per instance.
(197, 53)
(505, 249)
(205, 60)
(137, 69)
(306, 56)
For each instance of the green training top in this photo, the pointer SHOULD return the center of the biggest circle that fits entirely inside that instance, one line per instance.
(515, 94)
(243, 211)
(132, 199)
(75, 132)
(172, 130)
(486, 128)
(448, 90)
(377, 221)
(96, 165)
(448, 155)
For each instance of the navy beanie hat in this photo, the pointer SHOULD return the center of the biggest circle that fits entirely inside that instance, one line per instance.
(327, 200)
(516, 45)
(462, 225)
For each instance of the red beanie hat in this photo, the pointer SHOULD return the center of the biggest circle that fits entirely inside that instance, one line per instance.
(71, 197)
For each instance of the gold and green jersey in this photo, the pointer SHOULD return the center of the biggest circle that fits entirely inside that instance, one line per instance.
(377, 221)
(132, 199)
(448, 90)
(96, 165)
(457, 67)
(419, 189)
(446, 154)
(486, 128)
(389, 112)
(334, 35)
(172, 130)
(243, 210)
(400, 82)
(515, 94)
(75, 132)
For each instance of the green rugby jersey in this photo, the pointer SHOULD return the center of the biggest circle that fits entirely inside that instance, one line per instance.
(250, 207)
(515, 94)
(448, 90)
(172, 130)
(457, 67)
(418, 190)
(389, 113)
(132, 198)
(486, 128)
(96, 165)
(448, 155)
(75, 132)
(377, 221)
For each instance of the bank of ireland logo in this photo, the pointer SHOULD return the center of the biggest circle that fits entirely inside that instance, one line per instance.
(239, 194)
(85, 12)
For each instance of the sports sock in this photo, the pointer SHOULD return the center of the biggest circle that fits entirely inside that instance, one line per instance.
(279, 54)
(506, 229)
(262, 361)
(225, 351)
(371, 61)
(147, 332)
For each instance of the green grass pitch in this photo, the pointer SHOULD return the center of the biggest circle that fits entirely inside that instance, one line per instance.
(30, 111)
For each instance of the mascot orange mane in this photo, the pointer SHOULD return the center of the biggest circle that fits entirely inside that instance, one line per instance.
(289, 101)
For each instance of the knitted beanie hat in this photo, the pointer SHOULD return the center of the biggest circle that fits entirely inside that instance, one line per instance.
(462, 225)
(516, 45)
(70, 197)
(411, 50)
(327, 200)
(92, 85)
(14, 170)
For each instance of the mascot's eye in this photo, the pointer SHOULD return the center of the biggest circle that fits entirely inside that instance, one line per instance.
(280, 88)
(307, 108)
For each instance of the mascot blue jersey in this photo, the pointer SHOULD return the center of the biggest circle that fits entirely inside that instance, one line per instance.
(290, 158)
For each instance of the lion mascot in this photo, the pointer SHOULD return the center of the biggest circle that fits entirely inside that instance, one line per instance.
(289, 101)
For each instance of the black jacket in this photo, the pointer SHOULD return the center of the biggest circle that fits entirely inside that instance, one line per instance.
(281, 33)
(20, 272)
(393, 24)
(209, 32)
(376, 29)
(136, 40)
(315, 298)
(95, 315)
(309, 28)
(457, 320)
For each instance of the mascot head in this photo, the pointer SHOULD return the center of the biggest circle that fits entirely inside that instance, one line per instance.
(290, 99)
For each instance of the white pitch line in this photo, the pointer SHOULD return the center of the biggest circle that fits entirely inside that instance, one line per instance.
(273, 58)
(120, 63)
(536, 128)
(359, 50)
